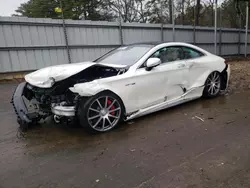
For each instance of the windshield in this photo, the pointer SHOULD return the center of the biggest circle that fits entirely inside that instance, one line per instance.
(126, 55)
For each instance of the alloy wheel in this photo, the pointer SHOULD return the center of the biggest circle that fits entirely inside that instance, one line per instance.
(213, 83)
(104, 113)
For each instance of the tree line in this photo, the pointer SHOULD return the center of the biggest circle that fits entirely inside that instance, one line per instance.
(186, 12)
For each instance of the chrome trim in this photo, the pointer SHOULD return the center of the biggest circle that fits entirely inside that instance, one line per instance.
(63, 110)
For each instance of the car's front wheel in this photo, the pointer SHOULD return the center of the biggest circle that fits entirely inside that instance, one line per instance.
(212, 85)
(101, 112)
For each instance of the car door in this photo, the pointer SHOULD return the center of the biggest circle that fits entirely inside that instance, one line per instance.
(164, 82)
(176, 73)
(147, 87)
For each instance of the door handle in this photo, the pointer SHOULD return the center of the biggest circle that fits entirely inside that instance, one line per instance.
(181, 65)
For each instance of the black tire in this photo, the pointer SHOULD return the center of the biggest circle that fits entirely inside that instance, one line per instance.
(85, 107)
(212, 85)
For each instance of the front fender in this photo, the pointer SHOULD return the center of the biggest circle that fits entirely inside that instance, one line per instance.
(90, 88)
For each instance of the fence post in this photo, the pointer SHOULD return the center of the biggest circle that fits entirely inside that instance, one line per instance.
(194, 35)
(215, 28)
(194, 29)
(162, 35)
(66, 41)
(247, 12)
(239, 38)
(220, 35)
(120, 29)
(173, 20)
(65, 34)
(162, 29)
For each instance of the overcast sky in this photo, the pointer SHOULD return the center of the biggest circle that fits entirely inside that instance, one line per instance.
(8, 7)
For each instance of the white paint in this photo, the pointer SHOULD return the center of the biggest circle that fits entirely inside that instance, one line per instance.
(140, 89)
(41, 77)
(153, 62)
(144, 91)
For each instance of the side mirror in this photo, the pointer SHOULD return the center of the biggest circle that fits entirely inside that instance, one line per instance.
(152, 62)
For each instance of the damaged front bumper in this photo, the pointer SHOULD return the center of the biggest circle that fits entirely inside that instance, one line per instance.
(24, 117)
(19, 105)
(28, 109)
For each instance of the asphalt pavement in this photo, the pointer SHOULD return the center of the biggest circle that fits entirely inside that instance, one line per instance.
(203, 143)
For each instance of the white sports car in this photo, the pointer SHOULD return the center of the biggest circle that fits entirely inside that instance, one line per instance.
(125, 83)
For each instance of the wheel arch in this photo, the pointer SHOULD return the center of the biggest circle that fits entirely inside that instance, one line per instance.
(205, 91)
(90, 89)
(208, 74)
(223, 75)
(114, 93)
(85, 103)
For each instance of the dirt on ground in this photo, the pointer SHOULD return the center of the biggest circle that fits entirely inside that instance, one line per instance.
(240, 76)
(200, 144)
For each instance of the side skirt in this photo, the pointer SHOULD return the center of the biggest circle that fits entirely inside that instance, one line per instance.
(167, 104)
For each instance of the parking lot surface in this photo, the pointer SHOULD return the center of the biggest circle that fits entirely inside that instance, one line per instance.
(204, 143)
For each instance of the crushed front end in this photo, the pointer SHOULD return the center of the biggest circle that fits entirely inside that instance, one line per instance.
(32, 103)
(45, 94)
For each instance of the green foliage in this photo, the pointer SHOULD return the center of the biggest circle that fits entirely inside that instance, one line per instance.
(158, 11)
(230, 16)
(72, 9)
(153, 11)
(38, 9)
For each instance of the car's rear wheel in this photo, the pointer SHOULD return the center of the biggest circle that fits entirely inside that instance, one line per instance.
(101, 112)
(212, 85)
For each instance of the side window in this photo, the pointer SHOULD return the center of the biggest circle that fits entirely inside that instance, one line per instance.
(189, 53)
(168, 54)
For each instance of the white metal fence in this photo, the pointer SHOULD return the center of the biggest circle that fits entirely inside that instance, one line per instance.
(29, 44)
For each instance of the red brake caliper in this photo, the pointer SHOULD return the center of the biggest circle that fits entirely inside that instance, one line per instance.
(112, 107)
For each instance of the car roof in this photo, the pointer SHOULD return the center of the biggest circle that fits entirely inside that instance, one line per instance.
(144, 43)
(156, 43)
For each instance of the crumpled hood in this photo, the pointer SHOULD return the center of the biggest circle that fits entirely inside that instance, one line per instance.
(46, 77)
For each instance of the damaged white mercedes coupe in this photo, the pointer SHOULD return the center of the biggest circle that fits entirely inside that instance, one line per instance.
(125, 83)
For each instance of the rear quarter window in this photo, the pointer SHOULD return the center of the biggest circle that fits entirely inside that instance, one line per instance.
(190, 53)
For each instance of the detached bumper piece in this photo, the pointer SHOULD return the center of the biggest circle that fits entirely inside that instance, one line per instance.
(24, 118)
(225, 74)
